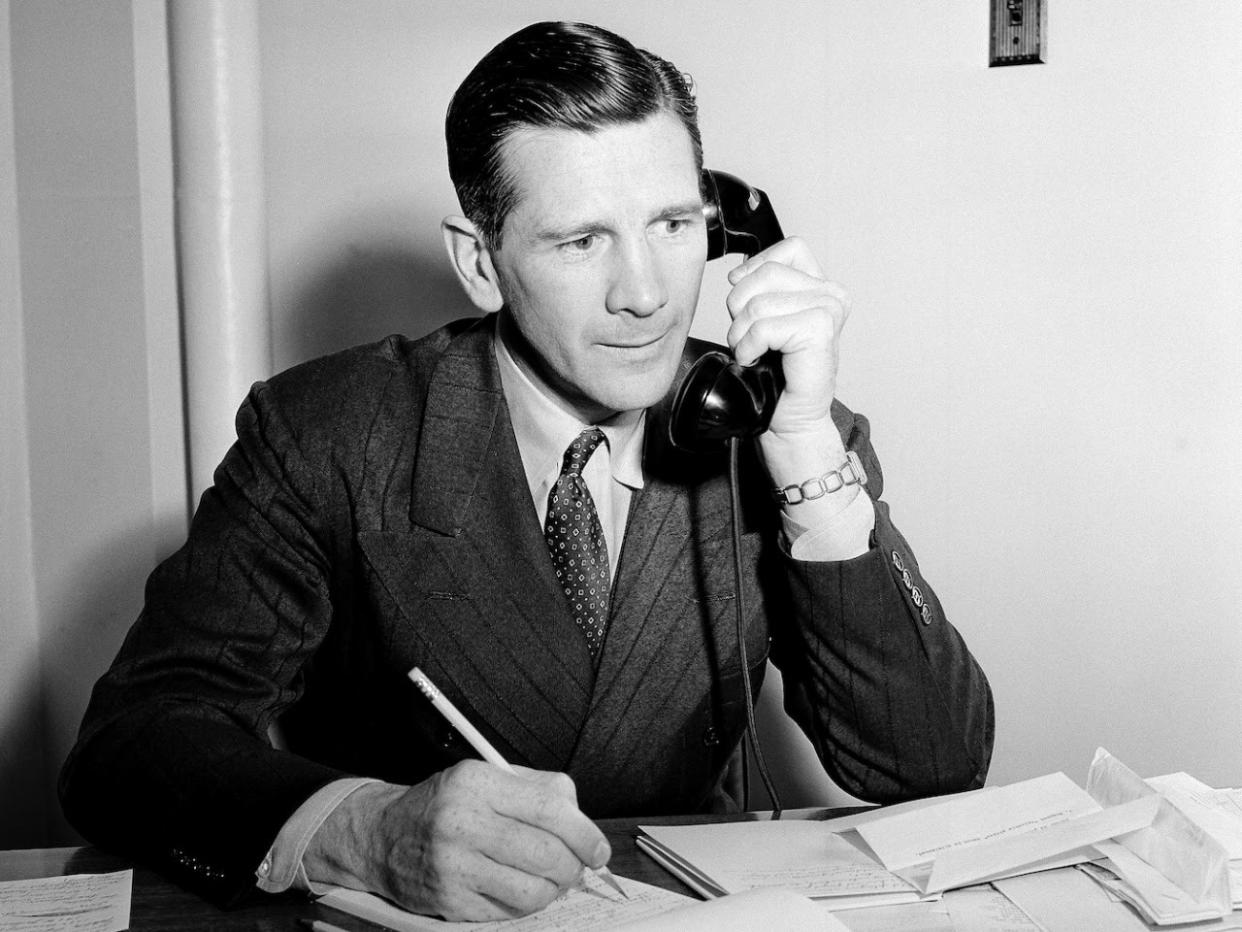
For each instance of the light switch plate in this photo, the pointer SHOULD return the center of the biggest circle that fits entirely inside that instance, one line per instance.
(1019, 32)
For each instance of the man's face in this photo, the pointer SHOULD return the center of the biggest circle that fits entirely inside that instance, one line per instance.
(600, 261)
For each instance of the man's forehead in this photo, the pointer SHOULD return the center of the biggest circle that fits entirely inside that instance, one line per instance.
(567, 168)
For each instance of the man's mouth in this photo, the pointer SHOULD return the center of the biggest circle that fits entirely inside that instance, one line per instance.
(634, 343)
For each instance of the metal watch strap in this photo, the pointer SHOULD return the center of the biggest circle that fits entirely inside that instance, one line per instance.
(851, 472)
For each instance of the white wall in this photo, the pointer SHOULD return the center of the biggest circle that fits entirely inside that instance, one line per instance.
(1045, 263)
(93, 462)
(1048, 268)
(22, 767)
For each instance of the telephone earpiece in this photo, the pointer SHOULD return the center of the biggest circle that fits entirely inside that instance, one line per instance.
(719, 399)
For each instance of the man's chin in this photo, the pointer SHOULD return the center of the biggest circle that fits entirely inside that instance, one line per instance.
(634, 394)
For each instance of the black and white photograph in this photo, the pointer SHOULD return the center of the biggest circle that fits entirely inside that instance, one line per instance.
(592, 465)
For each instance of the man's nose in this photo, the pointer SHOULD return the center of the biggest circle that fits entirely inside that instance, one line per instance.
(637, 283)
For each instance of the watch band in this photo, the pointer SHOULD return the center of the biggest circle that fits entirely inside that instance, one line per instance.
(851, 472)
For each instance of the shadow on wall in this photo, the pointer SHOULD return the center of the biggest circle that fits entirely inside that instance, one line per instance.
(92, 610)
(374, 290)
(24, 765)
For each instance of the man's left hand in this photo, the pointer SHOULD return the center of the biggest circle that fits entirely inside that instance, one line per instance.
(781, 300)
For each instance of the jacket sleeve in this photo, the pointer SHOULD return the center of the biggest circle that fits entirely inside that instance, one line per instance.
(885, 688)
(173, 765)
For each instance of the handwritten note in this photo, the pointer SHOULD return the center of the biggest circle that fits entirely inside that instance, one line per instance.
(593, 907)
(74, 903)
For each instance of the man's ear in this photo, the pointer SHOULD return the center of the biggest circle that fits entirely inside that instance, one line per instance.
(472, 261)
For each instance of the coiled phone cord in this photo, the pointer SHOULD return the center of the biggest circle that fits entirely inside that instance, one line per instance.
(739, 602)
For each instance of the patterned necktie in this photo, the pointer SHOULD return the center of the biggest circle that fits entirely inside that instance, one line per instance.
(576, 541)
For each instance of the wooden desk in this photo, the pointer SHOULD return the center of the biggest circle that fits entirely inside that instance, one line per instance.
(160, 905)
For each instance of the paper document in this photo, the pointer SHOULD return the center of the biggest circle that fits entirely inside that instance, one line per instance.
(744, 912)
(1156, 898)
(855, 819)
(1216, 811)
(975, 909)
(795, 854)
(1160, 846)
(1071, 840)
(919, 836)
(1036, 824)
(73, 903)
(1171, 871)
(1067, 900)
(593, 907)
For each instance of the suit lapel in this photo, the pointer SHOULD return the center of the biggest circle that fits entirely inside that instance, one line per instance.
(480, 607)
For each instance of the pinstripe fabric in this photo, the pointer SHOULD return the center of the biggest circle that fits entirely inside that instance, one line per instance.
(372, 516)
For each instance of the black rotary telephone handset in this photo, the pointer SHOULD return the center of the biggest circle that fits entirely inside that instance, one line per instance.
(719, 399)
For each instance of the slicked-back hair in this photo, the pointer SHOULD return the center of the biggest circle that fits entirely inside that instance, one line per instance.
(552, 76)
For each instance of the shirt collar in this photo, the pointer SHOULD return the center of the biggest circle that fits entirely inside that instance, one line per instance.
(544, 430)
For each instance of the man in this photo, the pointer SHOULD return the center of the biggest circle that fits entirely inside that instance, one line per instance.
(400, 505)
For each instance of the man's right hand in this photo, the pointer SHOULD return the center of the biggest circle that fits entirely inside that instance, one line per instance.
(471, 843)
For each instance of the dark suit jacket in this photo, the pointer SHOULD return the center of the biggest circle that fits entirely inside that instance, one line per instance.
(373, 516)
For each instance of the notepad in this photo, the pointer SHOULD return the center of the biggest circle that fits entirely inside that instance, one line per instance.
(592, 907)
(798, 855)
(595, 907)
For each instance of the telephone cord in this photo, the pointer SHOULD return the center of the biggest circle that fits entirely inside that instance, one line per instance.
(739, 603)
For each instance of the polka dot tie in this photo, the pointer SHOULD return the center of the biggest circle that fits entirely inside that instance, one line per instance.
(576, 541)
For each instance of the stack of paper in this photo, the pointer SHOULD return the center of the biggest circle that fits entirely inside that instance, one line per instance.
(1173, 871)
(902, 854)
(1170, 847)
(715, 860)
(1217, 812)
(1033, 825)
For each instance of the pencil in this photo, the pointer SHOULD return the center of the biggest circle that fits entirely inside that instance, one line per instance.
(446, 708)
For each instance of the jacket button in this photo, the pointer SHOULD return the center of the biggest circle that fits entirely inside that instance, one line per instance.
(711, 737)
(898, 563)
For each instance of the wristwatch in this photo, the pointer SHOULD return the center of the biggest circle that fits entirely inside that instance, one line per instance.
(851, 472)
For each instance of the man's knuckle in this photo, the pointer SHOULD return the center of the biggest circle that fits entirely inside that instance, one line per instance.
(534, 893)
(546, 853)
(548, 806)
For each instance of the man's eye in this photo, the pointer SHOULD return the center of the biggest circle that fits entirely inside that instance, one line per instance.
(581, 244)
(675, 225)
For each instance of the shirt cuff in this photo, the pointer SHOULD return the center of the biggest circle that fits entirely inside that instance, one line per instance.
(844, 536)
(282, 868)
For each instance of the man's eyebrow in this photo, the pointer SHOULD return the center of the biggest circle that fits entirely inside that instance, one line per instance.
(590, 227)
(680, 210)
(565, 234)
